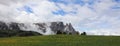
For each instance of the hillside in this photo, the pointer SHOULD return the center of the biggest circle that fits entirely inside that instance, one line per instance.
(61, 40)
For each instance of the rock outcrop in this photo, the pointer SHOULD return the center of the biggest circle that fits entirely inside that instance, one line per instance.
(60, 28)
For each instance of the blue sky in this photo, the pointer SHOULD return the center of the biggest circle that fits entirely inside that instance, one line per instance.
(82, 3)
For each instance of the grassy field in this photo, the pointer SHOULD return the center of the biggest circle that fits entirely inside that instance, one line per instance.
(61, 40)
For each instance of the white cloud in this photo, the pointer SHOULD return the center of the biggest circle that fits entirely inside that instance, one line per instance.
(89, 16)
(106, 32)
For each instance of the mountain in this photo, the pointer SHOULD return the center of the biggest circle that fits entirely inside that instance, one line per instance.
(30, 29)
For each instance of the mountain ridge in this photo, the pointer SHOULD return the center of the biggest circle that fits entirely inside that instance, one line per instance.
(51, 28)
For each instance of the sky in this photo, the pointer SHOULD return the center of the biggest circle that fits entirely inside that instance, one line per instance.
(96, 17)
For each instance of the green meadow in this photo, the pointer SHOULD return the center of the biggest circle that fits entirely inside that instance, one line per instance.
(61, 40)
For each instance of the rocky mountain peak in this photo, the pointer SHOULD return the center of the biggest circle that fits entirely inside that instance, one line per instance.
(42, 28)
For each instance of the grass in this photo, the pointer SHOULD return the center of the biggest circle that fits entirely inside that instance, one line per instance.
(61, 40)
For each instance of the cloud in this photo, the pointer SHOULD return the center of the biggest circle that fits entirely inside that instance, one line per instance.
(96, 16)
(89, 17)
(105, 32)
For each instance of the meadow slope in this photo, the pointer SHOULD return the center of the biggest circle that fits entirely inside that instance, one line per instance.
(61, 40)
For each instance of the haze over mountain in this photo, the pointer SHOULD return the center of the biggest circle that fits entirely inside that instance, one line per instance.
(29, 29)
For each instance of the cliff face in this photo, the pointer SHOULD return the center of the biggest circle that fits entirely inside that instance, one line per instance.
(3, 26)
(60, 28)
(41, 28)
